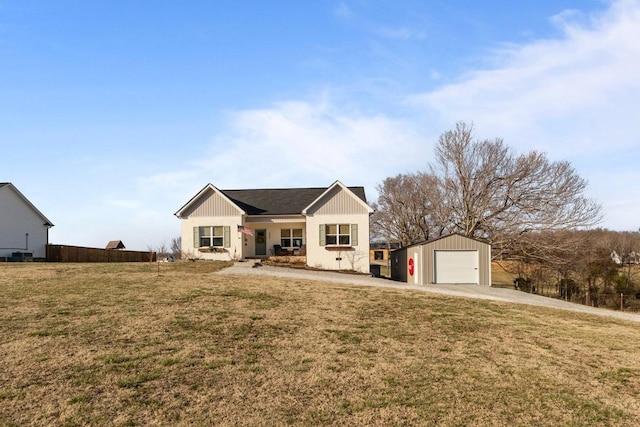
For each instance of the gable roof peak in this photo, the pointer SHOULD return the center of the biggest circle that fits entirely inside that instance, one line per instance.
(337, 183)
(26, 201)
(207, 187)
(273, 201)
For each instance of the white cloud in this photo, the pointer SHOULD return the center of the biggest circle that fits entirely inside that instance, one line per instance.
(568, 15)
(403, 33)
(575, 97)
(435, 74)
(342, 10)
(581, 88)
(299, 144)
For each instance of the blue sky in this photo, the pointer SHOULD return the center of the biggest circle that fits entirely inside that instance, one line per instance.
(113, 114)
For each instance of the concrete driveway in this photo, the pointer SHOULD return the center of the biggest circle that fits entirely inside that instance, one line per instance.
(465, 291)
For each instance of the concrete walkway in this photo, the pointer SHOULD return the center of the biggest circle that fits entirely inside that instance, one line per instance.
(465, 291)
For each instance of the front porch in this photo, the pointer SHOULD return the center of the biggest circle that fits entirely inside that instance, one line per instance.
(275, 237)
(294, 251)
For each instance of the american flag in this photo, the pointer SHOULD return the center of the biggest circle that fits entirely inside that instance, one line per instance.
(245, 230)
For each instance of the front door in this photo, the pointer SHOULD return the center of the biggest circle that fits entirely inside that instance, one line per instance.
(261, 242)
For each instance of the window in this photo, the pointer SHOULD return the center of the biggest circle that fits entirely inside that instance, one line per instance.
(291, 237)
(378, 255)
(338, 234)
(211, 236)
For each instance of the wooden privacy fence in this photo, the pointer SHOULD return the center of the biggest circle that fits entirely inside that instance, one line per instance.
(63, 253)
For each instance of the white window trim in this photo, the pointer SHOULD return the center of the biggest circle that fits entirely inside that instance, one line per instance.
(338, 235)
(291, 238)
(225, 236)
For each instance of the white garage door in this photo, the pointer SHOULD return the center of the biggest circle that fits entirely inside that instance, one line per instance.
(456, 267)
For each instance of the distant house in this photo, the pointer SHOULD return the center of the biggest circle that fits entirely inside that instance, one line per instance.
(616, 258)
(328, 226)
(629, 258)
(379, 258)
(24, 230)
(115, 244)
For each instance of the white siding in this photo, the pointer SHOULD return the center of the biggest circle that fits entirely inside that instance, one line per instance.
(357, 258)
(235, 251)
(17, 219)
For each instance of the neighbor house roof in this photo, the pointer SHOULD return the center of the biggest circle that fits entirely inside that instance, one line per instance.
(115, 244)
(26, 201)
(275, 201)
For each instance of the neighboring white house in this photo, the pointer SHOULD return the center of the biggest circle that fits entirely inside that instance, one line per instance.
(330, 226)
(23, 228)
(616, 258)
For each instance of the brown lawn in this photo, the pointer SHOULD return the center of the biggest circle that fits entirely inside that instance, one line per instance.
(131, 344)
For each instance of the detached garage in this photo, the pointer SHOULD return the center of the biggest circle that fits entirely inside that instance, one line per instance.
(452, 259)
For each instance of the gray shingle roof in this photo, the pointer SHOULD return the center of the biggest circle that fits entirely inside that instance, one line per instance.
(282, 201)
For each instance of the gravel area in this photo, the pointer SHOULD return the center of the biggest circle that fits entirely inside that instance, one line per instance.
(466, 291)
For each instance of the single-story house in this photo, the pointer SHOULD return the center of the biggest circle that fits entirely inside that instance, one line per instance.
(452, 259)
(24, 230)
(327, 225)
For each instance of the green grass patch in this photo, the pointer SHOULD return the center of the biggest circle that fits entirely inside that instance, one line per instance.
(137, 380)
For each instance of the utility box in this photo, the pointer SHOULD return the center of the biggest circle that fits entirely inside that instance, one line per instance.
(21, 257)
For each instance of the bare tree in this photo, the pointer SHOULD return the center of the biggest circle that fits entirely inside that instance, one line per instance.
(354, 257)
(481, 189)
(161, 250)
(405, 211)
(626, 244)
(497, 196)
(176, 247)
